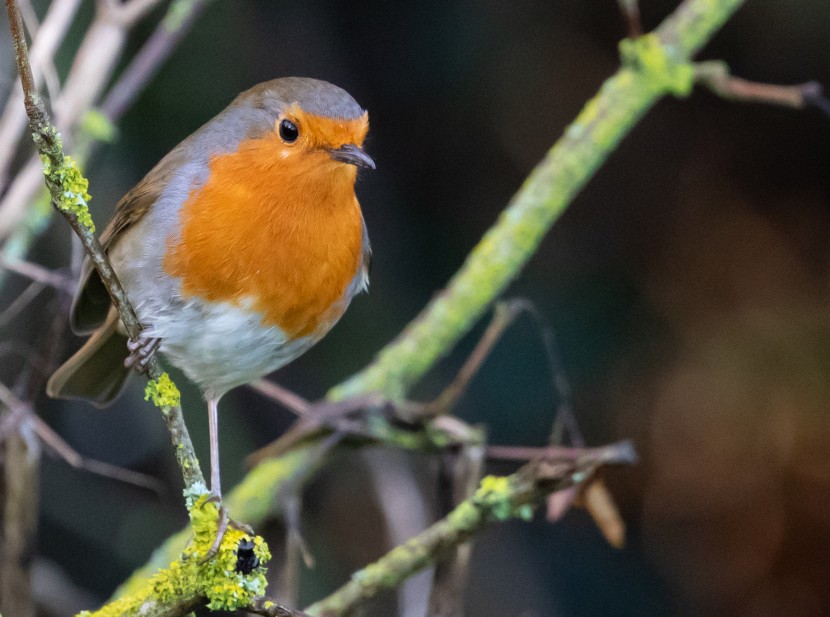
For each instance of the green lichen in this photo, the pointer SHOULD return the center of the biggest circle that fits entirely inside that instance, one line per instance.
(658, 62)
(163, 392)
(70, 189)
(97, 126)
(190, 579)
(224, 587)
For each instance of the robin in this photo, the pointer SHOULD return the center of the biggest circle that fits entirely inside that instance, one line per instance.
(239, 250)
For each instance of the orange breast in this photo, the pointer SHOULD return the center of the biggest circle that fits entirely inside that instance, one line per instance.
(281, 230)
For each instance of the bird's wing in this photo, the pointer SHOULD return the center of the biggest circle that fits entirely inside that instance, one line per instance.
(91, 303)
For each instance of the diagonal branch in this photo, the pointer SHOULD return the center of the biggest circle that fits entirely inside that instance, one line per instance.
(68, 190)
(497, 499)
(655, 65)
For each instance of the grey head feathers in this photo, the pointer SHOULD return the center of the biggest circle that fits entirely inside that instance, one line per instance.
(312, 95)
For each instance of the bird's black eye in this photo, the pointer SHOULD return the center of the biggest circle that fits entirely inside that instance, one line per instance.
(289, 131)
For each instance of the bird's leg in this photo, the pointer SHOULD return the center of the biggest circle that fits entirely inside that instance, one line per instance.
(213, 425)
(141, 350)
(215, 481)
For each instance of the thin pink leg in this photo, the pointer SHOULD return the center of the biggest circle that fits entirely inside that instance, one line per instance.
(213, 422)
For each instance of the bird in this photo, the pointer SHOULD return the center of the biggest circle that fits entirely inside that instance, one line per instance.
(239, 250)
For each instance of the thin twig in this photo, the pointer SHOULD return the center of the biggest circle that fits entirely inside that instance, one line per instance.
(39, 274)
(69, 455)
(51, 33)
(20, 303)
(269, 608)
(631, 12)
(288, 399)
(50, 73)
(716, 76)
(503, 316)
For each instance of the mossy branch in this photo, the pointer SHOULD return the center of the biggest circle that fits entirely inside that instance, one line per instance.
(226, 582)
(654, 65)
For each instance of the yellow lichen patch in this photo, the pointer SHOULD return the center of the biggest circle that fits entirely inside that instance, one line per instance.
(224, 586)
(190, 580)
(163, 392)
(73, 196)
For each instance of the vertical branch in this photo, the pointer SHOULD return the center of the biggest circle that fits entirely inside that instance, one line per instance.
(68, 190)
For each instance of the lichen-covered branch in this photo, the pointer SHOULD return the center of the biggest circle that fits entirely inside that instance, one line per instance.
(498, 498)
(653, 66)
(251, 502)
(233, 579)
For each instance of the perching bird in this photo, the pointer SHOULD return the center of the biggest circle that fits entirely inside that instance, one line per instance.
(239, 250)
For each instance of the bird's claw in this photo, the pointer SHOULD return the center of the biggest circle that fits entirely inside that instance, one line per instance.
(222, 528)
(141, 350)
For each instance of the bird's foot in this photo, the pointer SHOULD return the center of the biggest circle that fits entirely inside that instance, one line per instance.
(141, 350)
(222, 527)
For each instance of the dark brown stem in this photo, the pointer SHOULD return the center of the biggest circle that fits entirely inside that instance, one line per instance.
(631, 12)
(503, 315)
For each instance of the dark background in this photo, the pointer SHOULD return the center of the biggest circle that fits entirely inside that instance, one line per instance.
(687, 287)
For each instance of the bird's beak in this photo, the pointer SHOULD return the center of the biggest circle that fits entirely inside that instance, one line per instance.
(353, 155)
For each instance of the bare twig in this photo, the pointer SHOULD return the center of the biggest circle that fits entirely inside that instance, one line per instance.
(463, 470)
(270, 608)
(50, 73)
(50, 35)
(503, 315)
(66, 452)
(39, 274)
(19, 520)
(401, 502)
(20, 303)
(716, 76)
(91, 70)
(288, 399)
(631, 12)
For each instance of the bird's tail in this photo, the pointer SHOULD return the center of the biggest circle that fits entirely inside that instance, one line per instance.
(96, 372)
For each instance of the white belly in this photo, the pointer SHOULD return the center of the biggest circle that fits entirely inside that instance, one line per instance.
(221, 346)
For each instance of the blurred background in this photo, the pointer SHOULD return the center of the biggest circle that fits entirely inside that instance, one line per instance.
(687, 288)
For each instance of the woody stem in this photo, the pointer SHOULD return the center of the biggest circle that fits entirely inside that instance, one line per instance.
(48, 141)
